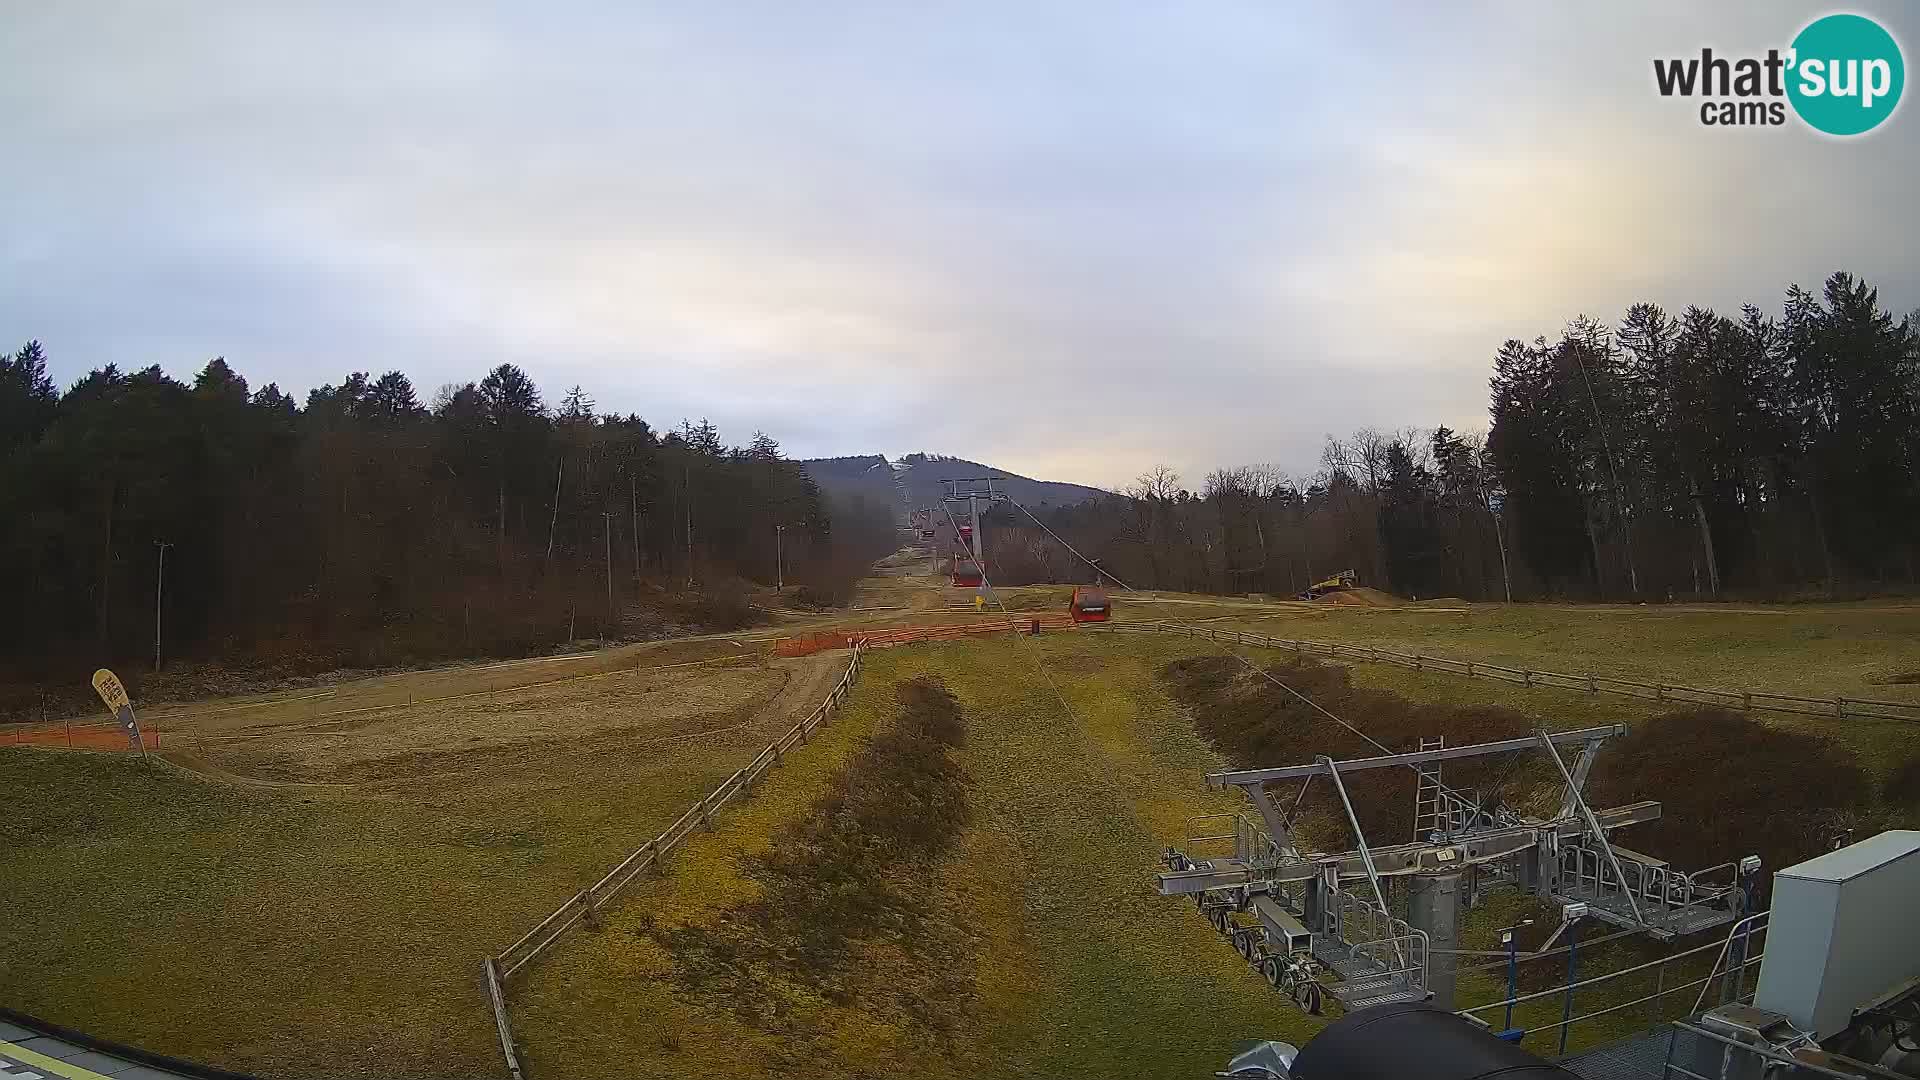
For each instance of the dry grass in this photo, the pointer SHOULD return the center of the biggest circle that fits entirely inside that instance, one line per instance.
(298, 931)
(635, 708)
(1813, 650)
(334, 929)
(1052, 927)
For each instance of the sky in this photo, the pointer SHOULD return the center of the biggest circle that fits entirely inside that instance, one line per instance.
(1070, 240)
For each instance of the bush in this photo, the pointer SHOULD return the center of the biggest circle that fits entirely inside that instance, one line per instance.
(1258, 724)
(719, 607)
(1729, 787)
(1902, 787)
(813, 597)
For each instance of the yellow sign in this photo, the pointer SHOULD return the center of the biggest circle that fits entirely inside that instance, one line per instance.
(107, 685)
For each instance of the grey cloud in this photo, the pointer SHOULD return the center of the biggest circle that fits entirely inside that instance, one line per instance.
(1221, 230)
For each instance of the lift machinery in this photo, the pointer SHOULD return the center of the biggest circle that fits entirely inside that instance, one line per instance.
(1320, 923)
(966, 496)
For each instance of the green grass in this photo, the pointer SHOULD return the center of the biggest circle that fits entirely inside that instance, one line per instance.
(340, 935)
(1078, 966)
(1817, 651)
(295, 936)
(1812, 650)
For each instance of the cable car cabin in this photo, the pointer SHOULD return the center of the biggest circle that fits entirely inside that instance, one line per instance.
(966, 535)
(1089, 605)
(965, 574)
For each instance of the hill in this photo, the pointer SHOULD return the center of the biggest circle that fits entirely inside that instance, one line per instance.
(863, 478)
(920, 476)
(914, 481)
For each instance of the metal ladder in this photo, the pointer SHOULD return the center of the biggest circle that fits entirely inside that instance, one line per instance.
(1429, 812)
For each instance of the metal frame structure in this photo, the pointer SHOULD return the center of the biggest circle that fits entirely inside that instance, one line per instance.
(971, 492)
(1315, 913)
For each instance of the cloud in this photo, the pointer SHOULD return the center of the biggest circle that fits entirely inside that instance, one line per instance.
(1073, 242)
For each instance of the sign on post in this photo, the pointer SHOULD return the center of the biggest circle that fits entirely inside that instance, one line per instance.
(111, 691)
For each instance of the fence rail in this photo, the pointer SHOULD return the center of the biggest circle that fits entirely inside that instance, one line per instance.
(585, 905)
(1837, 707)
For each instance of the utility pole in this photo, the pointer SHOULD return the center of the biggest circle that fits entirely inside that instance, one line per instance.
(686, 486)
(609, 519)
(159, 585)
(633, 492)
(779, 563)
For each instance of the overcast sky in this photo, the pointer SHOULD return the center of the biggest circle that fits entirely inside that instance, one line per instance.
(1069, 240)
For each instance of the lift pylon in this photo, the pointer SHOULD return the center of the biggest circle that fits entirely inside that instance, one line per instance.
(1313, 915)
(970, 492)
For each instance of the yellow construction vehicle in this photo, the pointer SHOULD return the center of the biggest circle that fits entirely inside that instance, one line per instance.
(1345, 579)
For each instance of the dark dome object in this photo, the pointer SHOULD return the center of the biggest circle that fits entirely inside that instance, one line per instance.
(1415, 1041)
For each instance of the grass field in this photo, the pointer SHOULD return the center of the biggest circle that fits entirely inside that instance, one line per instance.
(297, 930)
(307, 888)
(1076, 965)
(1861, 650)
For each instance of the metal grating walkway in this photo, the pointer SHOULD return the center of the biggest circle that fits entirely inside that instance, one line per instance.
(1640, 1057)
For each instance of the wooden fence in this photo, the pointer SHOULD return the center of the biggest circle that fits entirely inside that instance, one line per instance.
(585, 905)
(1746, 700)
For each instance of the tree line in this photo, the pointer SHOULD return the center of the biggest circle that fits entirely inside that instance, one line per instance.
(1696, 455)
(363, 527)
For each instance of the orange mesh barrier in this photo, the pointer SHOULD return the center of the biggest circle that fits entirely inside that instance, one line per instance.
(89, 736)
(808, 644)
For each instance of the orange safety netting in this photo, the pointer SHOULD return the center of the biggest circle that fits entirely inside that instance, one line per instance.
(91, 736)
(808, 644)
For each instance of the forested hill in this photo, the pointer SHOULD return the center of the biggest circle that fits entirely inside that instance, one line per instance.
(921, 474)
(862, 480)
(363, 527)
(915, 481)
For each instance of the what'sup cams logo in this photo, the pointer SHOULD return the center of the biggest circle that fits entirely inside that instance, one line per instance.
(1843, 75)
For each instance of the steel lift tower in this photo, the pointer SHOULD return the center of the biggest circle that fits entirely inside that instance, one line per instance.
(969, 493)
(1300, 917)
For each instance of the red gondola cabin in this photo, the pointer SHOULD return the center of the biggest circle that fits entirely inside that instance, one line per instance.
(966, 575)
(1089, 605)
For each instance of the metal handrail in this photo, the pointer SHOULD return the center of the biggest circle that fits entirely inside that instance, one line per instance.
(1860, 1068)
(1726, 947)
(1597, 979)
(1360, 838)
(1600, 837)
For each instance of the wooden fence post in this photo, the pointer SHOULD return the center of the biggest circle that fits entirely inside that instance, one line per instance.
(1592, 687)
(1746, 701)
(1840, 706)
(1526, 678)
(1469, 669)
(1659, 691)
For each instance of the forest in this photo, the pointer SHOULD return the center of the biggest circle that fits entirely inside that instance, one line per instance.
(365, 528)
(1697, 456)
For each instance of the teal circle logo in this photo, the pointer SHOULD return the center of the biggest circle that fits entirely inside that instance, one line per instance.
(1846, 74)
